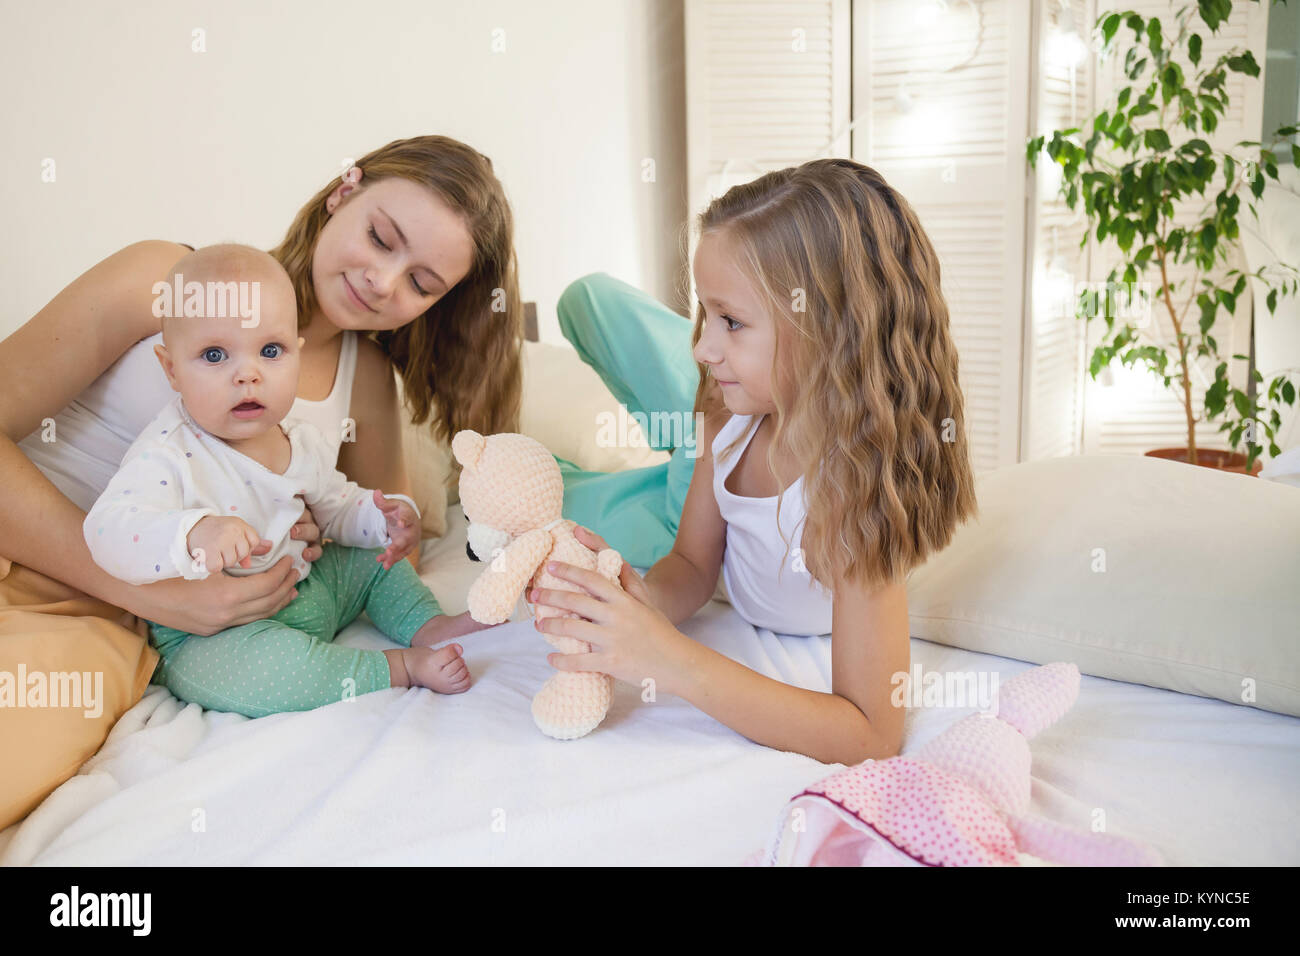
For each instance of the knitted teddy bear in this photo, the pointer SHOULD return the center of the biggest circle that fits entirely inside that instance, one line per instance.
(512, 492)
(962, 800)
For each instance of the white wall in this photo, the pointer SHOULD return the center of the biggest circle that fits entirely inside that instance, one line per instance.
(153, 140)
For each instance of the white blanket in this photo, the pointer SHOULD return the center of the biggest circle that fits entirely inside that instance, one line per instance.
(413, 777)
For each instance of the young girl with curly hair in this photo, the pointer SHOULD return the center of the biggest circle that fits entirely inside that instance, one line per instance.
(835, 460)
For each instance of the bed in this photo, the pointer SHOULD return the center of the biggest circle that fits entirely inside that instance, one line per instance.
(407, 776)
(412, 777)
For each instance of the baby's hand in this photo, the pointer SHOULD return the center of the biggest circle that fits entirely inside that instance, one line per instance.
(219, 543)
(403, 528)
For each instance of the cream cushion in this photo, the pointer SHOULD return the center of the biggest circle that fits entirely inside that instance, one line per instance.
(1137, 569)
(563, 404)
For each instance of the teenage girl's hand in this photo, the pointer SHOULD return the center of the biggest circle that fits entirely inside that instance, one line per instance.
(632, 582)
(630, 639)
(307, 530)
(218, 601)
(403, 529)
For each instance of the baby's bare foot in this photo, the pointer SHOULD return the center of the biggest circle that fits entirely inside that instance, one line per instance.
(443, 670)
(443, 627)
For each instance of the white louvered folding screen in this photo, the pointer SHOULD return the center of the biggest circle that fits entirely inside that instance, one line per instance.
(767, 86)
(947, 87)
(1052, 424)
(758, 99)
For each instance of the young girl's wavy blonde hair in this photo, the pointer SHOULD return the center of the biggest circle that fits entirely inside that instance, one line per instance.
(865, 383)
(459, 361)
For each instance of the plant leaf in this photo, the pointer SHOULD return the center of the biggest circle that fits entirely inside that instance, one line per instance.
(1156, 139)
(1109, 26)
(1245, 63)
(1214, 12)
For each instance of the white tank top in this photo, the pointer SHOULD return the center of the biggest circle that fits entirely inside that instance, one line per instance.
(767, 587)
(92, 433)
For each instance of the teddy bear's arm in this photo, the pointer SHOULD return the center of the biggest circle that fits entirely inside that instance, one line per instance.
(496, 592)
(609, 564)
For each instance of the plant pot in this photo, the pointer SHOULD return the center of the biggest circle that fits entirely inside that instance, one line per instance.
(1211, 458)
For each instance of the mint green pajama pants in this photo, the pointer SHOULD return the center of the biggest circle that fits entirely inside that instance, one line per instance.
(641, 350)
(289, 661)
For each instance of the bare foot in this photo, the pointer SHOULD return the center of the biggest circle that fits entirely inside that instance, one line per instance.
(445, 628)
(443, 670)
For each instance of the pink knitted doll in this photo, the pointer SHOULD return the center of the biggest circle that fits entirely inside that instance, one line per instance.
(962, 800)
(512, 492)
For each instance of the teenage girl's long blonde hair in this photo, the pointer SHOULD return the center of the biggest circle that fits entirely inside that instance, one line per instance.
(871, 405)
(459, 361)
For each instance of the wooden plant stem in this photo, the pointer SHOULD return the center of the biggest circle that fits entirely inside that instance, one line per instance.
(1182, 359)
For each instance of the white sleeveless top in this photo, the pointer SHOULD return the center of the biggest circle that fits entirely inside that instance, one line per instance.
(768, 587)
(82, 451)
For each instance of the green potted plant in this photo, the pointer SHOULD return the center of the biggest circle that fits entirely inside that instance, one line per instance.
(1128, 166)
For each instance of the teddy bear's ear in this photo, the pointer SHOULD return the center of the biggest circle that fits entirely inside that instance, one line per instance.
(467, 447)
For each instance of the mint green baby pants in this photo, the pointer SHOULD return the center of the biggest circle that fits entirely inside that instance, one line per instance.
(289, 661)
(641, 350)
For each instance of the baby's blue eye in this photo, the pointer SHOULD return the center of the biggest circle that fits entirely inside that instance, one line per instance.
(732, 324)
(214, 355)
(272, 350)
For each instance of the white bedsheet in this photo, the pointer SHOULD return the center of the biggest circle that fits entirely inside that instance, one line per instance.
(412, 777)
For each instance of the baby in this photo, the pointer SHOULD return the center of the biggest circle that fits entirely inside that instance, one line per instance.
(212, 485)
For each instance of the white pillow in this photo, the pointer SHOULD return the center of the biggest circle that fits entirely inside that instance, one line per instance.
(1137, 569)
(1285, 468)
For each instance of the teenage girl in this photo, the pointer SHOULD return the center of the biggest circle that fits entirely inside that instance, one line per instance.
(834, 460)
